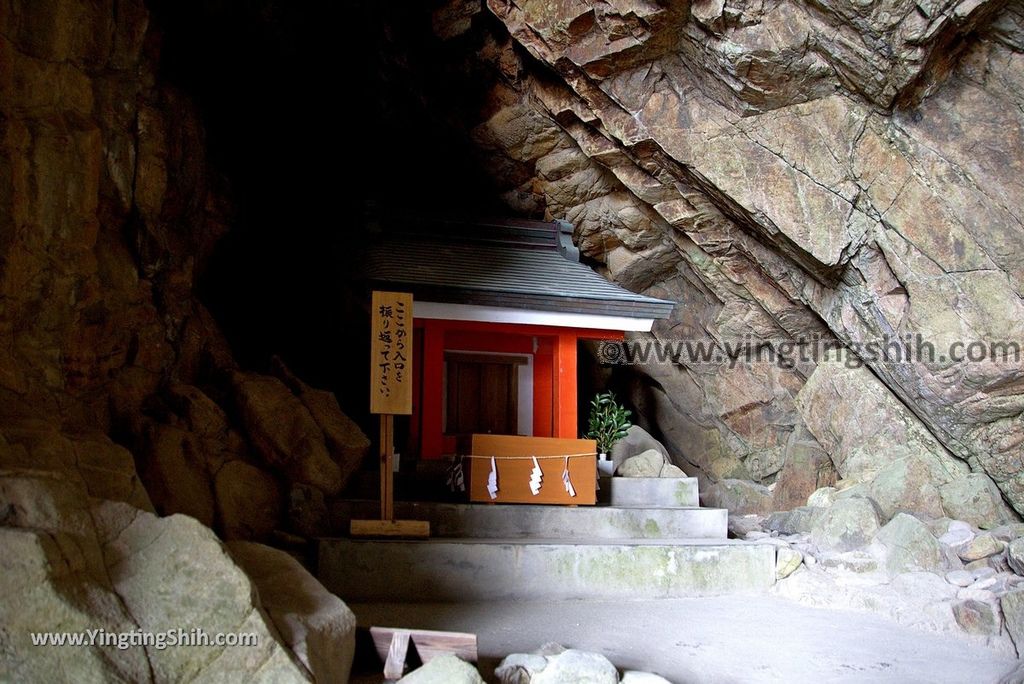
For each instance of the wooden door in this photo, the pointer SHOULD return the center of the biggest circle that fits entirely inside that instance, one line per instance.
(483, 394)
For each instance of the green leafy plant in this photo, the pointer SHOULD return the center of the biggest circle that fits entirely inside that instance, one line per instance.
(609, 421)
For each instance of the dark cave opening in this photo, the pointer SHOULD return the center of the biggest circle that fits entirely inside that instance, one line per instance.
(314, 133)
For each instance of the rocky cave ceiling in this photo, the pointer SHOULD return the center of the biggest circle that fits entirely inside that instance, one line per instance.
(781, 169)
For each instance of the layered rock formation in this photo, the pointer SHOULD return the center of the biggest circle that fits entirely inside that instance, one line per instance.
(848, 174)
(108, 213)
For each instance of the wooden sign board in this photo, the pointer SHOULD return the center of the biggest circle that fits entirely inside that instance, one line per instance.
(391, 353)
(514, 473)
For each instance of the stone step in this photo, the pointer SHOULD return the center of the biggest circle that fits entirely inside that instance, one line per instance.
(666, 492)
(508, 521)
(539, 569)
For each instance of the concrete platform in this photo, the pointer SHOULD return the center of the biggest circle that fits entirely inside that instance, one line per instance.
(649, 491)
(508, 521)
(541, 569)
(721, 640)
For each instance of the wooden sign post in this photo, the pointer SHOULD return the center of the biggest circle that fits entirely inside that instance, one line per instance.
(390, 395)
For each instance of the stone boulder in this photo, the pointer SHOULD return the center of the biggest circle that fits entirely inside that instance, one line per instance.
(848, 524)
(174, 471)
(906, 484)
(822, 497)
(45, 587)
(909, 546)
(870, 435)
(47, 502)
(284, 433)
(553, 664)
(797, 521)
(1015, 555)
(976, 499)
(53, 578)
(104, 469)
(520, 668)
(315, 624)
(978, 617)
(669, 470)
(787, 560)
(307, 511)
(199, 413)
(248, 501)
(206, 421)
(1008, 532)
(445, 669)
(807, 469)
(636, 441)
(980, 547)
(72, 562)
(646, 464)
(1012, 604)
(199, 588)
(955, 534)
(345, 440)
(108, 470)
(739, 497)
(960, 578)
(172, 573)
(577, 667)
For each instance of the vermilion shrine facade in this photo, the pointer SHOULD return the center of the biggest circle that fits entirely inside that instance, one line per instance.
(499, 309)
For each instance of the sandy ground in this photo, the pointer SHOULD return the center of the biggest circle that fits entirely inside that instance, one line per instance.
(711, 640)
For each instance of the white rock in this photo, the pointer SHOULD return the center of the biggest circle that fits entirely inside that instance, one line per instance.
(958, 534)
(848, 524)
(577, 667)
(646, 464)
(986, 583)
(1015, 555)
(982, 546)
(960, 578)
(318, 627)
(822, 498)
(520, 668)
(669, 470)
(787, 560)
(983, 572)
(446, 669)
(976, 594)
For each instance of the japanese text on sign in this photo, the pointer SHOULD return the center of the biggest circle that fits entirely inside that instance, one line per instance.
(391, 353)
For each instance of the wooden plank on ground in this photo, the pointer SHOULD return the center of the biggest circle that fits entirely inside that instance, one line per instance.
(394, 664)
(429, 644)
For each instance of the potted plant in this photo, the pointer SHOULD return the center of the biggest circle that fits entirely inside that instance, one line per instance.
(608, 423)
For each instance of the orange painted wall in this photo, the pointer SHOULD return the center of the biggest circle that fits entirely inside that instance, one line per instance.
(554, 373)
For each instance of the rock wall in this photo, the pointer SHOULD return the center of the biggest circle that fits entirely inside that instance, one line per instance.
(120, 398)
(785, 171)
(109, 212)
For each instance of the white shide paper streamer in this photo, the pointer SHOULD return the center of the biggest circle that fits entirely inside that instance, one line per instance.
(492, 480)
(565, 479)
(536, 475)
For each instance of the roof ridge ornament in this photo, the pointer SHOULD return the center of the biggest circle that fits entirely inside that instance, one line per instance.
(565, 246)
